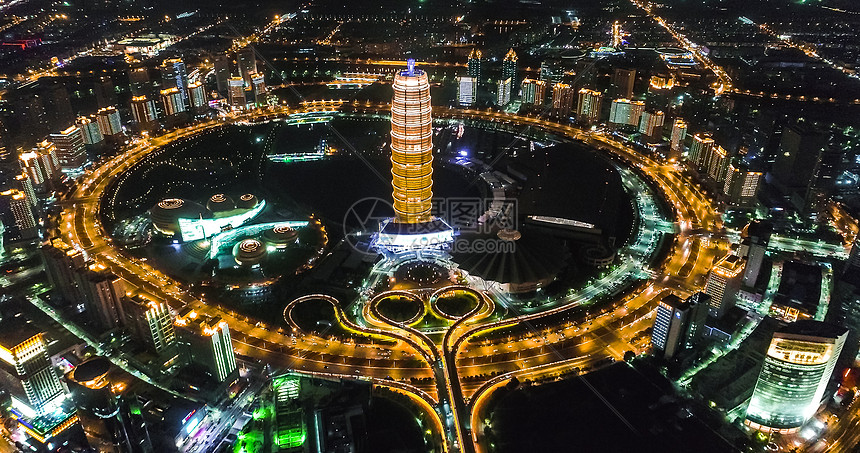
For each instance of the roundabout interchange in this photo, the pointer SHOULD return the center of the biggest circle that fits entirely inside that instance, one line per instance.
(450, 369)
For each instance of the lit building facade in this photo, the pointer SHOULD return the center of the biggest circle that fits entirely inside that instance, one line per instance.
(466, 90)
(150, 322)
(69, 144)
(797, 368)
(474, 64)
(626, 112)
(676, 141)
(651, 124)
(742, 185)
(678, 323)
(89, 130)
(534, 92)
(510, 67)
(102, 291)
(207, 341)
(34, 385)
(143, 110)
(411, 146)
(723, 284)
(172, 102)
(236, 92)
(588, 106)
(62, 264)
(700, 148)
(174, 75)
(16, 213)
(97, 406)
(503, 96)
(109, 121)
(197, 95)
(562, 99)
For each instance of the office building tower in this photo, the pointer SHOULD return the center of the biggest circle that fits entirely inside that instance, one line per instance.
(174, 75)
(258, 85)
(102, 291)
(63, 263)
(206, 341)
(622, 82)
(411, 146)
(754, 239)
(197, 93)
(7, 153)
(109, 121)
(624, 112)
(143, 110)
(22, 183)
(534, 92)
(16, 213)
(28, 376)
(800, 151)
(588, 106)
(474, 64)
(42, 166)
(741, 185)
(139, 81)
(89, 130)
(222, 73)
(676, 141)
(678, 323)
(247, 60)
(723, 284)
(503, 96)
(150, 322)
(510, 68)
(651, 125)
(551, 71)
(717, 165)
(70, 148)
(236, 92)
(466, 90)
(796, 371)
(171, 101)
(562, 99)
(700, 147)
(131, 412)
(104, 92)
(97, 406)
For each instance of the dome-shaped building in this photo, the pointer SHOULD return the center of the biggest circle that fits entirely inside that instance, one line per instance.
(247, 201)
(280, 236)
(220, 203)
(166, 214)
(249, 252)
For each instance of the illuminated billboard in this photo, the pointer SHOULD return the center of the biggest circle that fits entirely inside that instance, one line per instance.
(196, 229)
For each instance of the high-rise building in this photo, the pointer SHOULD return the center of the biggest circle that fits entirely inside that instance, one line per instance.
(42, 166)
(109, 121)
(16, 213)
(411, 146)
(534, 92)
(466, 90)
(797, 368)
(700, 148)
(503, 96)
(143, 110)
(551, 71)
(139, 81)
(174, 75)
(197, 93)
(207, 341)
(676, 141)
(626, 112)
(150, 322)
(717, 165)
(247, 60)
(800, 151)
(678, 323)
(723, 284)
(89, 130)
(741, 186)
(474, 64)
(102, 291)
(562, 99)
(171, 100)
(63, 263)
(222, 73)
(651, 125)
(97, 406)
(510, 68)
(754, 239)
(622, 82)
(22, 183)
(236, 92)
(258, 85)
(34, 386)
(588, 106)
(70, 147)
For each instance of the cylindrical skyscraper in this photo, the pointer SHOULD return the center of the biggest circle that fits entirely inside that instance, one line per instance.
(411, 146)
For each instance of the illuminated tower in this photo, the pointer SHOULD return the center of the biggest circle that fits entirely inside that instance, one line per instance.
(795, 374)
(509, 67)
(474, 64)
(206, 341)
(26, 369)
(70, 147)
(617, 35)
(411, 146)
(97, 406)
